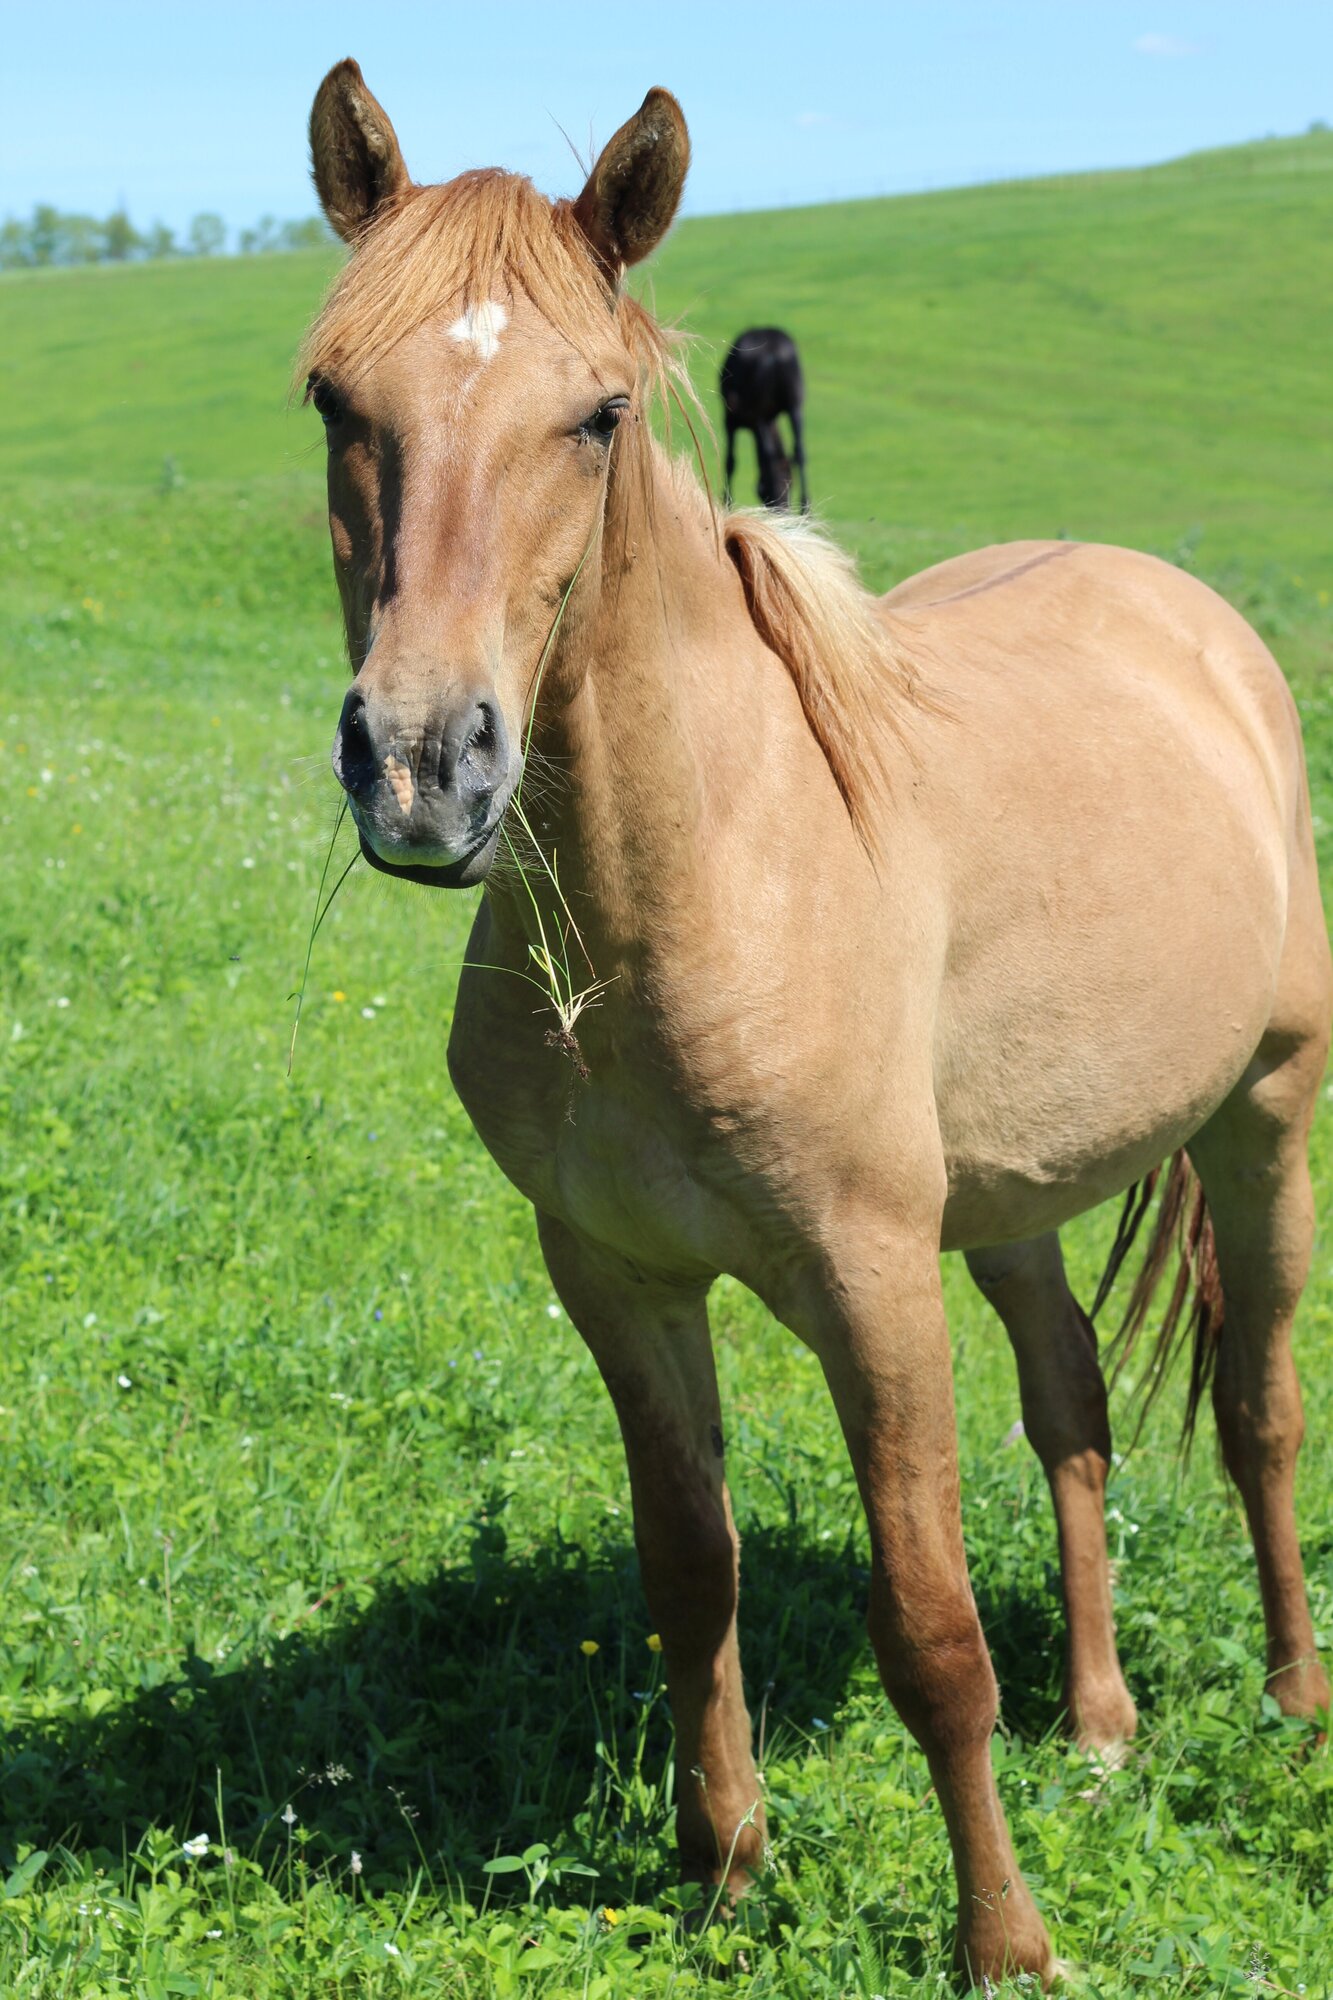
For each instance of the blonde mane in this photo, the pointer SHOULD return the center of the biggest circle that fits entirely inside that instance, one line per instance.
(843, 650)
(487, 233)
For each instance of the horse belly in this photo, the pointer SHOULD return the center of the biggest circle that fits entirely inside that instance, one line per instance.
(1114, 1008)
(1051, 1136)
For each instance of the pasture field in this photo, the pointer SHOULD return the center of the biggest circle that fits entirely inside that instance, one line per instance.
(312, 1509)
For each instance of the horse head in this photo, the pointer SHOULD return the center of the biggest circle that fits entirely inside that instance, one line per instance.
(476, 368)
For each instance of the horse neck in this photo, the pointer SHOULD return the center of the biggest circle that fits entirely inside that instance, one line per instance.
(645, 719)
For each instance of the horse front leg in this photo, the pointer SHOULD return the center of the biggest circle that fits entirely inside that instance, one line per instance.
(653, 1348)
(876, 1320)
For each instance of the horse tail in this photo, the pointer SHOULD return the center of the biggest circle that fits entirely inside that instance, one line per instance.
(1193, 1315)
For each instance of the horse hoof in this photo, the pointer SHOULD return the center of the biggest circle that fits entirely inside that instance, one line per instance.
(1102, 1721)
(1300, 1689)
(1001, 1942)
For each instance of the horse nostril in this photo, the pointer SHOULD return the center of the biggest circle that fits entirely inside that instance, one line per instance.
(481, 737)
(484, 746)
(353, 756)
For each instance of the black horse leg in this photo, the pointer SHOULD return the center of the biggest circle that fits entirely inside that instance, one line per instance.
(766, 454)
(731, 462)
(798, 448)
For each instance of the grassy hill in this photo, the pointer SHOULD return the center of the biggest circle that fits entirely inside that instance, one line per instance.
(1134, 356)
(309, 1497)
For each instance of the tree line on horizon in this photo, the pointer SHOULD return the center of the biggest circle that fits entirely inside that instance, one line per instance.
(50, 236)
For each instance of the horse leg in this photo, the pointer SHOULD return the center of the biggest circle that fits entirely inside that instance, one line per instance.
(798, 452)
(878, 1327)
(655, 1355)
(1064, 1416)
(765, 453)
(730, 473)
(1251, 1158)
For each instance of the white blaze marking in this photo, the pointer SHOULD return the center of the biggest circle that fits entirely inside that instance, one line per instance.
(480, 328)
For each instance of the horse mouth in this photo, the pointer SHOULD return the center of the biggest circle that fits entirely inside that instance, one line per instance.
(463, 873)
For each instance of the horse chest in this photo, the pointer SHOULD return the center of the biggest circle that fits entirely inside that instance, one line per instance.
(598, 1152)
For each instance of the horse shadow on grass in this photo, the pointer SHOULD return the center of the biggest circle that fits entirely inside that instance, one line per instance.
(458, 1718)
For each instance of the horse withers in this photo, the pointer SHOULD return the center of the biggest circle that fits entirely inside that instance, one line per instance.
(761, 381)
(896, 926)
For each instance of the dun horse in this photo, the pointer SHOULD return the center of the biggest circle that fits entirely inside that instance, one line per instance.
(914, 924)
(762, 381)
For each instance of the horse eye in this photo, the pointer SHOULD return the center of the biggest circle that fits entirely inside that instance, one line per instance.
(603, 421)
(325, 398)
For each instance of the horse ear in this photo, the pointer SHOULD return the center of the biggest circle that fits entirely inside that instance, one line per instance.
(634, 190)
(354, 151)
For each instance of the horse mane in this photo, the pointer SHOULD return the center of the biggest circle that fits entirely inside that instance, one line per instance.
(438, 249)
(839, 645)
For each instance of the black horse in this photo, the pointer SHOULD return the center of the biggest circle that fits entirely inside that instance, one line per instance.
(761, 381)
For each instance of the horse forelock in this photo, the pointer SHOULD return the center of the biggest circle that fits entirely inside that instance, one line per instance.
(456, 247)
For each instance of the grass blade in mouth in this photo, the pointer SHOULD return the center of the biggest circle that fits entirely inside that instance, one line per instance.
(556, 980)
(320, 914)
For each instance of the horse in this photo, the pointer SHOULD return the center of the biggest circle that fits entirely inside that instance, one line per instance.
(761, 381)
(869, 928)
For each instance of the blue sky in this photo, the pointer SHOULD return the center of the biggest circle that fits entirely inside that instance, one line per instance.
(181, 107)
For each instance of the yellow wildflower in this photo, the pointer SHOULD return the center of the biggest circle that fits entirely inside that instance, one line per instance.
(589, 1646)
(339, 995)
(654, 1642)
(610, 1918)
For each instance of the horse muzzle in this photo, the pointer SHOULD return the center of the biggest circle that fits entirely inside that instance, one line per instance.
(427, 791)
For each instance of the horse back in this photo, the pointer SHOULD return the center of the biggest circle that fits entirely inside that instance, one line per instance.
(1047, 627)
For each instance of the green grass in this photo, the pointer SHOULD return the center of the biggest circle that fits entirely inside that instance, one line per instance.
(310, 1495)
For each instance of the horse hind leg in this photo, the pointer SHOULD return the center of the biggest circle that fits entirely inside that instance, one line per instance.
(798, 452)
(1064, 1416)
(1251, 1159)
